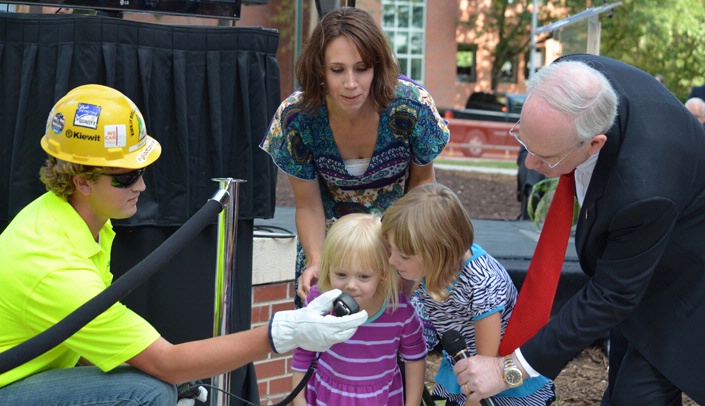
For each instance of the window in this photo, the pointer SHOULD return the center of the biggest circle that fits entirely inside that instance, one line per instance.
(465, 62)
(508, 72)
(404, 22)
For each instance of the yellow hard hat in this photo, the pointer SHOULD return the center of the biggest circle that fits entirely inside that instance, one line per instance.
(99, 126)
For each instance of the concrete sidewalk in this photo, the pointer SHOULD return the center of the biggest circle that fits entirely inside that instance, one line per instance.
(481, 169)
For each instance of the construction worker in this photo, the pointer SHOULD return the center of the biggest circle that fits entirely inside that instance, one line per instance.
(55, 256)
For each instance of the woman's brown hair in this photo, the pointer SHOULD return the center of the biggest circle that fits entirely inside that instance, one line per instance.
(359, 27)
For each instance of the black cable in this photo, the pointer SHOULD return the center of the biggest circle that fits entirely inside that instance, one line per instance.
(70, 324)
(193, 387)
(302, 384)
(270, 229)
(205, 385)
(426, 397)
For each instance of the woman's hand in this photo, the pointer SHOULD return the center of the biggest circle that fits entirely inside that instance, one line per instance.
(311, 229)
(307, 278)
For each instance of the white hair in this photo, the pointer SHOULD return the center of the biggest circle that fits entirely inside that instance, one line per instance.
(581, 92)
(696, 106)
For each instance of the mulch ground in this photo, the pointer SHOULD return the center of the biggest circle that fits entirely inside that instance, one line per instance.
(487, 196)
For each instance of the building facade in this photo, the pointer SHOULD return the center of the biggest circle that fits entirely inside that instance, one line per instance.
(433, 48)
(429, 37)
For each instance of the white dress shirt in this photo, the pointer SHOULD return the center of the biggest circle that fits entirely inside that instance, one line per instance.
(583, 174)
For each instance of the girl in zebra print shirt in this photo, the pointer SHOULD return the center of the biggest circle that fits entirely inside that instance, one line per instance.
(462, 287)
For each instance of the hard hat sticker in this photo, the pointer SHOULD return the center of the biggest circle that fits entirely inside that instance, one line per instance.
(87, 115)
(142, 157)
(115, 136)
(143, 128)
(57, 123)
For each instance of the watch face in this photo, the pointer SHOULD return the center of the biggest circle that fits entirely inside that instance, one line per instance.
(513, 377)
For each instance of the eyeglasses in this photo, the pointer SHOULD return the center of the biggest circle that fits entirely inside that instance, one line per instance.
(515, 134)
(125, 180)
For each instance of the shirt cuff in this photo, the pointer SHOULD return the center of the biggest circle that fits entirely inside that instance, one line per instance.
(531, 371)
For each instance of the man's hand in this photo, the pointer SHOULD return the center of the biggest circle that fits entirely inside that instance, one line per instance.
(311, 328)
(307, 278)
(480, 377)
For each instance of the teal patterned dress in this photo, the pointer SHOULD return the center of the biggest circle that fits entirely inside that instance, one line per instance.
(302, 145)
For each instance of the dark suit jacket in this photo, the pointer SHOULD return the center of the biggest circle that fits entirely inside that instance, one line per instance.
(697, 91)
(640, 238)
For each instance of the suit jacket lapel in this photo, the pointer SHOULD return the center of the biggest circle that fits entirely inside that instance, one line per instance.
(596, 188)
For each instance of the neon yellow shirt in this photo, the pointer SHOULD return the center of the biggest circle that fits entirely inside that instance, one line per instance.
(51, 265)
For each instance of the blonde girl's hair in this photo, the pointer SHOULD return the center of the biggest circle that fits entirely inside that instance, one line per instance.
(356, 240)
(430, 222)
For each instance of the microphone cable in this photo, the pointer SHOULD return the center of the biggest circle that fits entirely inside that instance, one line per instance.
(302, 384)
(190, 389)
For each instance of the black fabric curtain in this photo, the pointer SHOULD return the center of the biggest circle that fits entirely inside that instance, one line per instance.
(207, 95)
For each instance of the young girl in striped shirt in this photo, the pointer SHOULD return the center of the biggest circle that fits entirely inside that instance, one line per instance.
(461, 286)
(364, 370)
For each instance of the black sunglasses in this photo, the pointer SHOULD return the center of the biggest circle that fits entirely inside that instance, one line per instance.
(125, 180)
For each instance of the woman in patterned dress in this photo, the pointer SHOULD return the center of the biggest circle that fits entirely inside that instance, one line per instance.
(355, 137)
(461, 286)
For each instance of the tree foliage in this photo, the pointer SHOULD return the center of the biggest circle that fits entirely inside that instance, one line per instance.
(509, 29)
(509, 23)
(537, 209)
(284, 17)
(660, 37)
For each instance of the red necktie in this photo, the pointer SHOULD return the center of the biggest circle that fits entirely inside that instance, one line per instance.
(533, 306)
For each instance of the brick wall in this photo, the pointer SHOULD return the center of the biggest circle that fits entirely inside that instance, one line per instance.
(273, 372)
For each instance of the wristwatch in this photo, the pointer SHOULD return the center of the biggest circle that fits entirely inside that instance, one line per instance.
(512, 374)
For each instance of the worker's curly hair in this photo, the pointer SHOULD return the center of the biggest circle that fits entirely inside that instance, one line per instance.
(57, 175)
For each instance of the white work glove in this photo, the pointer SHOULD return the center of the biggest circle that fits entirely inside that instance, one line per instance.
(312, 328)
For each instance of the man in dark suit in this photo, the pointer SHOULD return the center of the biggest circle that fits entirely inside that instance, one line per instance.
(696, 106)
(639, 161)
(697, 91)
